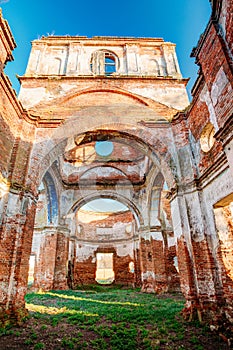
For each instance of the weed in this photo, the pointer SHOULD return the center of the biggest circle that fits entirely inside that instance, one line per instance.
(67, 343)
(163, 330)
(28, 342)
(54, 321)
(147, 344)
(33, 335)
(80, 334)
(180, 336)
(39, 346)
(4, 331)
(99, 344)
(85, 345)
(194, 340)
(199, 347)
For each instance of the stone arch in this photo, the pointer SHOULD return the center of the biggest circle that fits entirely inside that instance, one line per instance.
(165, 112)
(155, 149)
(103, 166)
(116, 196)
(135, 97)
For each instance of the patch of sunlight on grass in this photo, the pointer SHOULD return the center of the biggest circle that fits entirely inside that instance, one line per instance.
(71, 297)
(51, 310)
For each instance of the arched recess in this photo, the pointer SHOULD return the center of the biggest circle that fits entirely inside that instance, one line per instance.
(50, 245)
(116, 196)
(153, 67)
(159, 204)
(155, 198)
(55, 68)
(159, 244)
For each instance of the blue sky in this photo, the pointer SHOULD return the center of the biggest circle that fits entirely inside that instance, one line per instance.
(104, 205)
(177, 21)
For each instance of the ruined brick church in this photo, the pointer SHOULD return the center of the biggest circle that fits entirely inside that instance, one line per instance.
(107, 120)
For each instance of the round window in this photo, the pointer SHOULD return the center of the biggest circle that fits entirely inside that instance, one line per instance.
(104, 148)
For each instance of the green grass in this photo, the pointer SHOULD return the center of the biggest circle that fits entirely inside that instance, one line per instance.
(117, 318)
(105, 318)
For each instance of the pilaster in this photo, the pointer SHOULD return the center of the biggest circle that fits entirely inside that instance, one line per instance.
(15, 245)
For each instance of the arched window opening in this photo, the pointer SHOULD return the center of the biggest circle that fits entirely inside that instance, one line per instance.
(109, 64)
(104, 268)
(103, 63)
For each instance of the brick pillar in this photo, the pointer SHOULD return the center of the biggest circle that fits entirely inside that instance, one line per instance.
(210, 289)
(171, 262)
(159, 261)
(61, 261)
(45, 262)
(187, 281)
(184, 253)
(153, 266)
(197, 266)
(51, 265)
(146, 262)
(15, 247)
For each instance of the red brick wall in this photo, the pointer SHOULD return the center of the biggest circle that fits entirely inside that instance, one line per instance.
(198, 117)
(157, 261)
(84, 271)
(45, 264)
(212, 59)
(61, 261)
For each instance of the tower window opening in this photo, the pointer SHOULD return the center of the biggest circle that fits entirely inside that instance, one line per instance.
(109, 64)
(103, 63)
